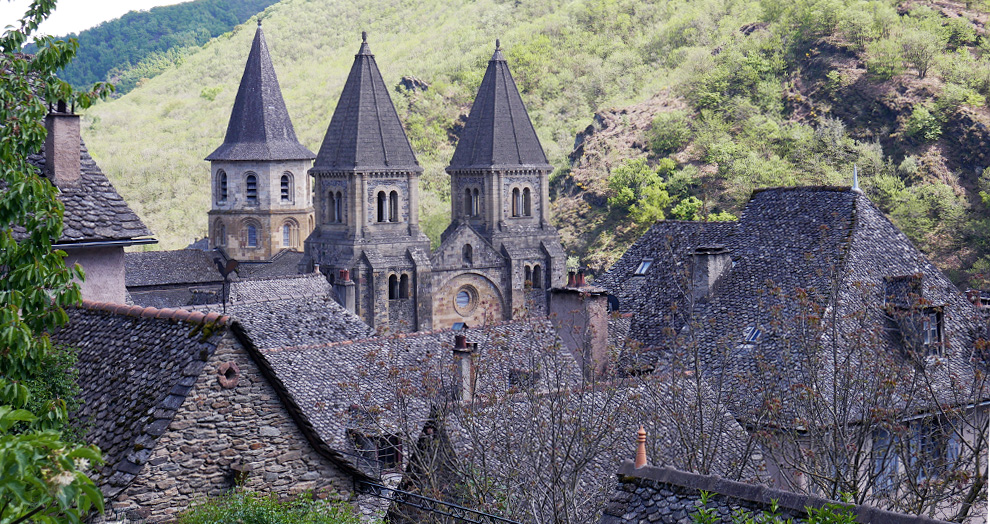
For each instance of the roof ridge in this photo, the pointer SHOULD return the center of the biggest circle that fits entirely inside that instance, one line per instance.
(395, 336)
(181, 315)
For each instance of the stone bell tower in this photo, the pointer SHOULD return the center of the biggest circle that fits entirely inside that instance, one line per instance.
(367, 205)
(262, 198)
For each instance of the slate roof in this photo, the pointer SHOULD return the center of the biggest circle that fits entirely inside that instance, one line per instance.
(355, 385)
(654, 494)
(260, 127)
(161, 268)
(498, 132)
(304, 321)
(365, 133)
(284, 263)
(94, 211)
(136, 365)
(830, 242)
(278, 288)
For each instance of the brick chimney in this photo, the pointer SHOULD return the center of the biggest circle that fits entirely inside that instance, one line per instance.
(346, 290)
(580, 314)
(708, 264)
(464, 373)
(62, 147)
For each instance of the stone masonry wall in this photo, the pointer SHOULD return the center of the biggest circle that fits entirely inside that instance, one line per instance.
(217, 428)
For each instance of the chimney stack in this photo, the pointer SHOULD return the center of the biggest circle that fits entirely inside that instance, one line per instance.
(464, 375)
(580, 315)
(570, 279)
(346, 290)
(579, 281)
(709, 263)
(62, 147)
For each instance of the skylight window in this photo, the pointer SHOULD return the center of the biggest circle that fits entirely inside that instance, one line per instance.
(752, 334)
(644, 265)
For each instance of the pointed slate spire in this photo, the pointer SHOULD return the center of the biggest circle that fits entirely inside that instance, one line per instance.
(260, 128)
(365, 133)
(498, 132)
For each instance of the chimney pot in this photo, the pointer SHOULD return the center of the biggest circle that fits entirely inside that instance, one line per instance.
(580, 279)
(570, 279)
(460, 342)
(345, 275)
(640, 448)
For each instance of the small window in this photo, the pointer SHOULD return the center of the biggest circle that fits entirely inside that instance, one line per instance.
(252, 236)
(468, 254)
(515, 202)
(753, 334)
(468, 203)
(885, 462)
(329, 212)
(393, 206)
(528, 278)
(527, 203)
(393, 287)
(404, 286)
(644, 266)
(475, 203)
(537, 277)
(286, 236)
(285, 188)
(222, 190)
(338, 208)
(931, 328)
(251, 186)
(382, 206)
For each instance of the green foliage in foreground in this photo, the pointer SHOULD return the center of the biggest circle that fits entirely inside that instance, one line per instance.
(828, 514)
(42, 477)
(253, 508)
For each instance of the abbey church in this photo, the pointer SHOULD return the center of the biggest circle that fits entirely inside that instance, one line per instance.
(353, 208)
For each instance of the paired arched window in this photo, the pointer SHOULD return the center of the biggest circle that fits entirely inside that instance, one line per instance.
(528, 277)
(221, 186)
(472, 202)
(516, 202)
(468, 202)
(404, 286)
(285, 186)
(537, 277)
(527, 203)
(382, 206)
(467, 254)
(252, 235)
(251, 188)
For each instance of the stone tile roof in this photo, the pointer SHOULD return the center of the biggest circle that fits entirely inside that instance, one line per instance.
(284, 263)
(665, 495)
(498, 132)
(260, 127)
(365, 133)
(161, 268)
(136, 365)
(831, 242)
(358, 385)
(658, 296)
(301, 321)
(253, 290)
(94, 211)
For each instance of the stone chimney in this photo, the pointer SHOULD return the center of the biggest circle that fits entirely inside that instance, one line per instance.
(464, 375)
(346, 290)
(708, 264)
(580, 314)
(62, 147)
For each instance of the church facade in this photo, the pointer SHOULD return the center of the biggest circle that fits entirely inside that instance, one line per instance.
(497, 258)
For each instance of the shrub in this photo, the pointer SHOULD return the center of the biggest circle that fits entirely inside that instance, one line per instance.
(923, 124)
(253, 508)
(637, 188)
(883, 58)
(669, 133)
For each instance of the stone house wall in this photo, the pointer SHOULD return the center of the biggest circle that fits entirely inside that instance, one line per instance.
(104, 267)
(219, 428)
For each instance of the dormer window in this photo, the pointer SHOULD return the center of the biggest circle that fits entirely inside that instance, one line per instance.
(644, 266)
(931, 328)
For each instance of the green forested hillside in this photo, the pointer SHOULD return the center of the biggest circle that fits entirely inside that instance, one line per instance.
(697, 102)
(142, 42)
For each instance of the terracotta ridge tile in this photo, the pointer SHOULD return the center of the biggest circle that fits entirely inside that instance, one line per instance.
(181, 315)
